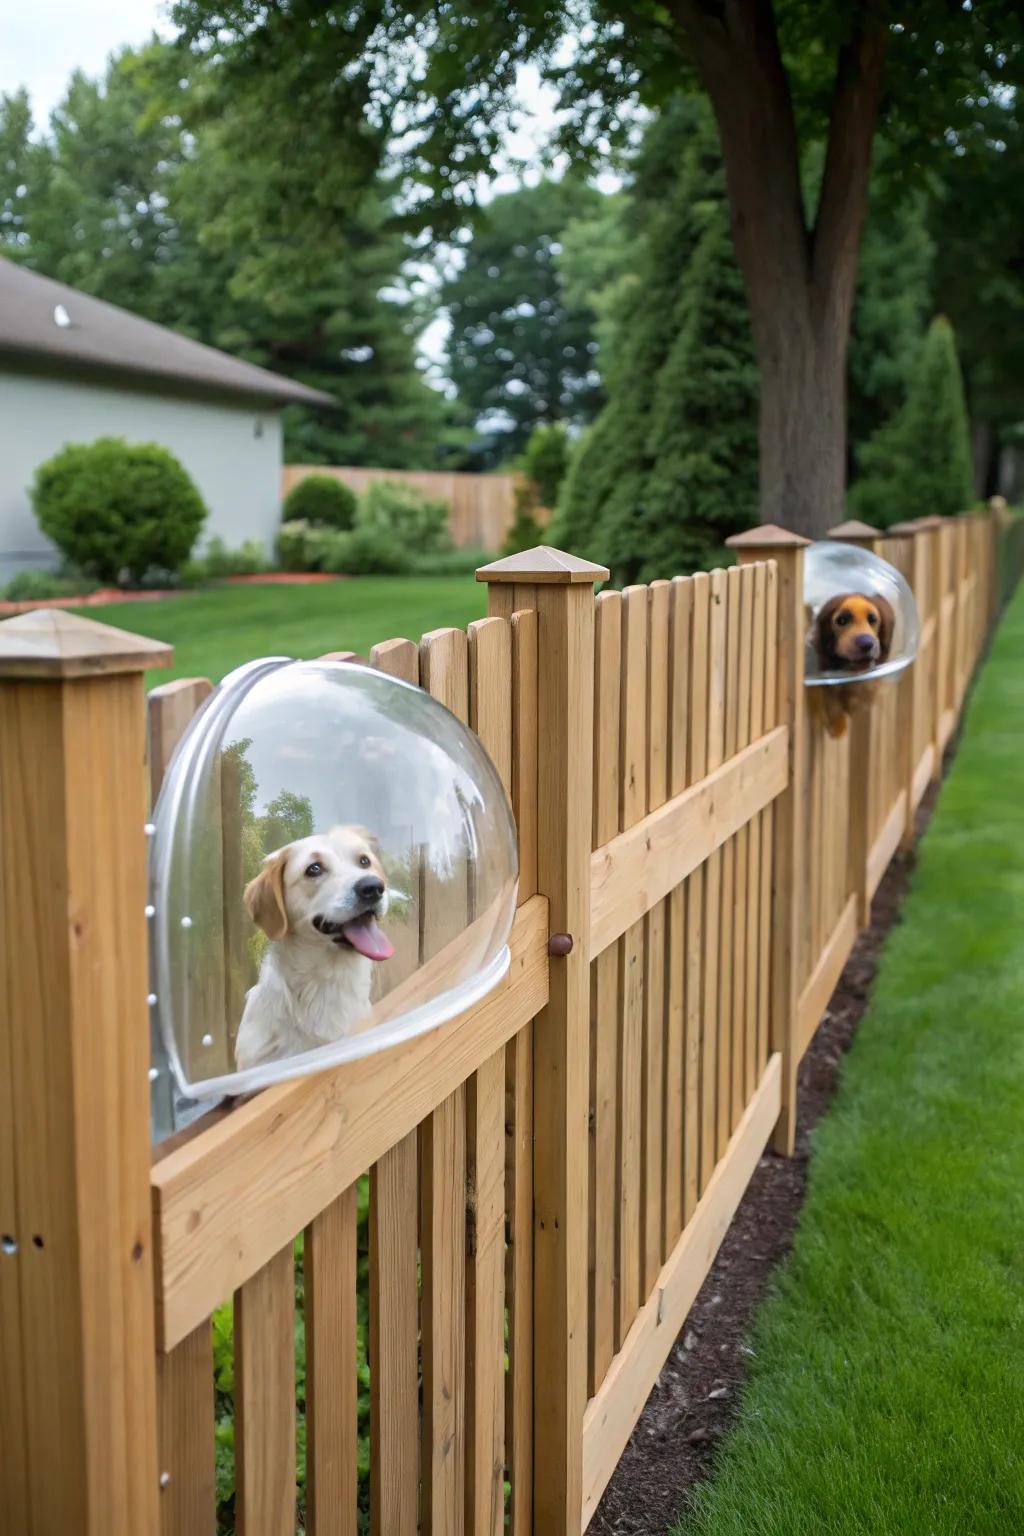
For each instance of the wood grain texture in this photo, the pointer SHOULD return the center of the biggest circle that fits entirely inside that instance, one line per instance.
(788, 891)
(675, 940)
(604, 1002)
(726, 953)
(613, 1412)
(76, 1054)
(519, 1279)
(265, 1400)
(485, 1299)
(224, 1201)
(711, 1002)
(170, 708)
(653, 1067)
(185, 1428)
(394, 1341)
(524, 745)
(332, 1430)
(444, 672)
(632, 808)
(697, 753)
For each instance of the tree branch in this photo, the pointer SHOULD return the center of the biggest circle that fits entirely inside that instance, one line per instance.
(842, 201)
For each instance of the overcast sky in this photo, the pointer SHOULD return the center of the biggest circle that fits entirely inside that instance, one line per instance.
(42, 41)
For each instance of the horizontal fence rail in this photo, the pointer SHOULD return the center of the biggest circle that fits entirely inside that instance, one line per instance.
(431, 1290)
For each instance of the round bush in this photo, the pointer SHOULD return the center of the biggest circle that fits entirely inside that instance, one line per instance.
(114, 508)
(320, 499)
(395, 511)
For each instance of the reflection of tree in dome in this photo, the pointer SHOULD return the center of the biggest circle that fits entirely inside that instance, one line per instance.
(287, 818)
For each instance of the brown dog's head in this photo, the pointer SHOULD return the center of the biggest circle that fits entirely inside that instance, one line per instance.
(853, 632)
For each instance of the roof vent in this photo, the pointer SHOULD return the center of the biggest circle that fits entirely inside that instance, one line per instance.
(61, 317)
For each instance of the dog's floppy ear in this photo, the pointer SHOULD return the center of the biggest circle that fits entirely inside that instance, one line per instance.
(264, 896)
(886, 625)
(824, 635)
(368, 837)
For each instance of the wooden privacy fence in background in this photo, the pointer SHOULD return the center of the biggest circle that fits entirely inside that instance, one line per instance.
(482, 508)
(550, 1174)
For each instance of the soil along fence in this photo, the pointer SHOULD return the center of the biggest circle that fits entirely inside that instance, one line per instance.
(551, 1173)
(481, 507)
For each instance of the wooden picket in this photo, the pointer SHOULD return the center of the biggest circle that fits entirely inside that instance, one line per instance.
(550, 1175)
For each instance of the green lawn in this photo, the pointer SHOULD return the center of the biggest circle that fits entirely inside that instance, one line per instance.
(216, 630)
(886, 1394)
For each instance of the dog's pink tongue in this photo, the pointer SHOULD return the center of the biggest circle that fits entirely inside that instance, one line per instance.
(368, 938)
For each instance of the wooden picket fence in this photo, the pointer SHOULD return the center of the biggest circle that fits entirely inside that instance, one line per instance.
(550, 1174)
(481, 508)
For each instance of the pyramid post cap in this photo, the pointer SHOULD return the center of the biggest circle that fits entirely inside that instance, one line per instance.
(931, 522)
(52, 643)
(903, 530)
(544, 566)
(854, 529)
(767, 536)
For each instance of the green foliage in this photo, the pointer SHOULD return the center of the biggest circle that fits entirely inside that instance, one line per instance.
(217, 561)
(35, 586)
(519, 351)
(525, 532)
(893, 304)
(417, 523)
(368, 551)
(546, 460)
(884, 1390)
(669, 469)
(224, 1381)
(598, 271)
(144, 194)
(919, 463)
(322, 500)
(115, 508)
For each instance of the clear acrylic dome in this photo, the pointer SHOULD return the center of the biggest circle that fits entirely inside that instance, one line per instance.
(834, 570)
(333, 870)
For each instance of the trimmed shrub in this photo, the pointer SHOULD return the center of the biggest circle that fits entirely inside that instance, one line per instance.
(365, 552)
(546, 460)
(37, 586)
(397, 511)
(525, 531)
(452, 562)
(218, 561)
(322, 500)
(919, 463)
(116, 509)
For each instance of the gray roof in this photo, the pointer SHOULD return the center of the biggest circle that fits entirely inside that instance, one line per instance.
(46, 321)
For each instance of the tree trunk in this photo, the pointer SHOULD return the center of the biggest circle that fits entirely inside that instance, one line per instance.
(802, 425)
(800, 282)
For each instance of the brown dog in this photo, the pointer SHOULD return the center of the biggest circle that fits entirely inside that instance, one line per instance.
(851, 633)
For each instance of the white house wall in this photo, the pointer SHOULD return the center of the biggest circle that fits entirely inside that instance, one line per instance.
(232, 452)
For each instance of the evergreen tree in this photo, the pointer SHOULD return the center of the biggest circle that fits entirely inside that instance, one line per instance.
(520, 351)
(139, 196)
(893, 305)
(919, 463)
(669, 468)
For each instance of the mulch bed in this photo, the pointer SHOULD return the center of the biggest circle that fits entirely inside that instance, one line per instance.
(107, 595)
(696, 1396)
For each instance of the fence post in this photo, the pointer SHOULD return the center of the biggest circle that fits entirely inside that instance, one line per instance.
(861, 738)
(78, 1426)
(912, 681)
(787, 550)
(561, 590)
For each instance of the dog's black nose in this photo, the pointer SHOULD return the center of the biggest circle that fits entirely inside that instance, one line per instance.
(865, 643)
(370, 889)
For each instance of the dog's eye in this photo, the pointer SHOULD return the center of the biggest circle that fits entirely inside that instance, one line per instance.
(314, 869)
(364, 861)
(842, 620)
(872, 618)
